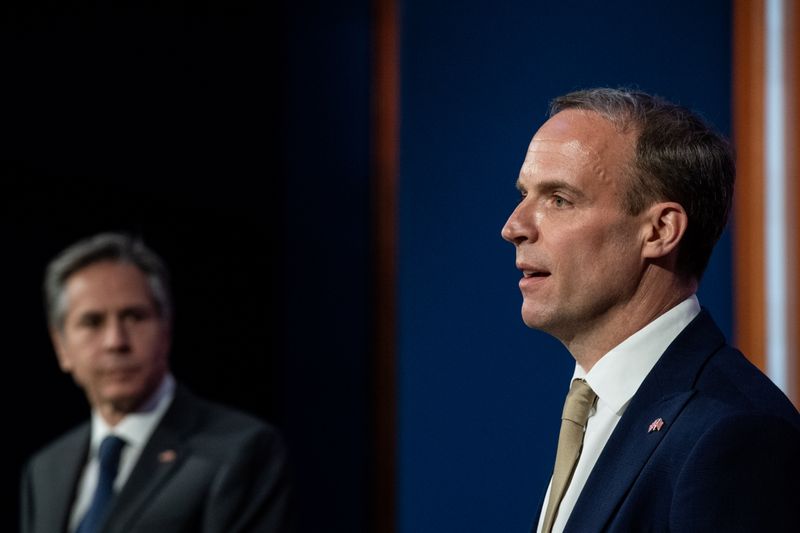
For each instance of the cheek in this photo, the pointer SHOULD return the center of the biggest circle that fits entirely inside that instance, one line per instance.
(72, 355)
(614, 242)
(83, 373)
(597, 259)
(586, 252)
(155, 344)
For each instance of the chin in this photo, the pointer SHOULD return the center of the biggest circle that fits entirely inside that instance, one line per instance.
(533, 318)
(125, 397)
(540, 321)
(538, 325)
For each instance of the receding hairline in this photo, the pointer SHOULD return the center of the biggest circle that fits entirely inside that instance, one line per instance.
(624, 123)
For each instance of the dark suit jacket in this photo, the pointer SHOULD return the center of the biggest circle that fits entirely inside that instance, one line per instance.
(227, 474)
(726, 459)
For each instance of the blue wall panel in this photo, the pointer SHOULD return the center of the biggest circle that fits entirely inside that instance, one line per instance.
(480, 394)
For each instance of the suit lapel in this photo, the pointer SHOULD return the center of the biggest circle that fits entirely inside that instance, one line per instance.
(160, 459)
(663, 394)
(623, 457)
(58, 490)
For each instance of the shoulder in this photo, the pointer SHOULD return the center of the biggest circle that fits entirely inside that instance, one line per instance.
(701, 362)
(238, 461)
(733, 402)
(732, 410)
(713, 433)
(72, 443)
(224, 430)
(58, 459)
(724, 434)
(730, 385)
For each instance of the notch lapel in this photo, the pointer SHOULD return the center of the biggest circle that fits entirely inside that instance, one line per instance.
(57, 491)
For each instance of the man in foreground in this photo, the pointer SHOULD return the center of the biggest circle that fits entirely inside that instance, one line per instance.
(666, 427)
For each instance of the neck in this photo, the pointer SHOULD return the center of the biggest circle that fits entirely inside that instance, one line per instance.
(650, 301)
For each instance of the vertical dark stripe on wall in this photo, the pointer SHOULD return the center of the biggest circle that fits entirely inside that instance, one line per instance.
(385, 154)
(748, 133)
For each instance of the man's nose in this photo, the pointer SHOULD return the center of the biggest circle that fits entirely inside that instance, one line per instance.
(520, 225)
(116, 336)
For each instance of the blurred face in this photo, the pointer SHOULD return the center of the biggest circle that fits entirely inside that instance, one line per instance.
(113, 342)
(579, 252)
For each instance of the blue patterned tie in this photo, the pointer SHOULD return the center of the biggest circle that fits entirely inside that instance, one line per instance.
(109, 452)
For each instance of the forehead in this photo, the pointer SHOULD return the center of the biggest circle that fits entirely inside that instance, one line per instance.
(578, 140)
(107, 284)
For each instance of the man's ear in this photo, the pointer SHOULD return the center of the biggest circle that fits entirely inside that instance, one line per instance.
(666, 223)
(64, 360)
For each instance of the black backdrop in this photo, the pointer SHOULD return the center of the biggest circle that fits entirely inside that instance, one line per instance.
(203, 129)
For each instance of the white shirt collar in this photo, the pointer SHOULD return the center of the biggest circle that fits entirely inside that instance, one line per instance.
(135, 428)
(616, 377)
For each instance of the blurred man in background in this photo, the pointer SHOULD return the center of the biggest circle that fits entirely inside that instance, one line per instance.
(153, 457)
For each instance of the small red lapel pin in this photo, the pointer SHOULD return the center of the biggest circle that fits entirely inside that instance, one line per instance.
(167, 456)
(655, 425)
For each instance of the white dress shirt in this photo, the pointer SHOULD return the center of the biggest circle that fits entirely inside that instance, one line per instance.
(615, 378)
(135, 429)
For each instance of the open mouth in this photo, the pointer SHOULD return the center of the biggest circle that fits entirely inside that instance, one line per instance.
(535, 274)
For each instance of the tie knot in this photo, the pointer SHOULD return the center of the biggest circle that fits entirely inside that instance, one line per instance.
(579, 402)
(109, 452)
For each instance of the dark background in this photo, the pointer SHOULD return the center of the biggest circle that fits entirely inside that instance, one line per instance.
(232, 137)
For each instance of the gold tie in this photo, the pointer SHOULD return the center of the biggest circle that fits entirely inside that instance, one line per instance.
(579, 402)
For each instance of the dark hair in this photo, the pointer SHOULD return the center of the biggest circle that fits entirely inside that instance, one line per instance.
(678, 158)
(115, 247)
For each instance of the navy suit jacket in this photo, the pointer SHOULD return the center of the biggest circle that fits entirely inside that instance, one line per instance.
(726, 459)
(205, 469)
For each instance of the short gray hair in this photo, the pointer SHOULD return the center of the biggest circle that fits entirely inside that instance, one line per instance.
(115, 247)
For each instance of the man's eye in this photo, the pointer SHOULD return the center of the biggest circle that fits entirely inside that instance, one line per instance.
(558, 201)
(136, 315)
(91, 321)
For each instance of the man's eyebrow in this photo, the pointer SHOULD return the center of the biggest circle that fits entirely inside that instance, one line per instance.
(550, 186)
